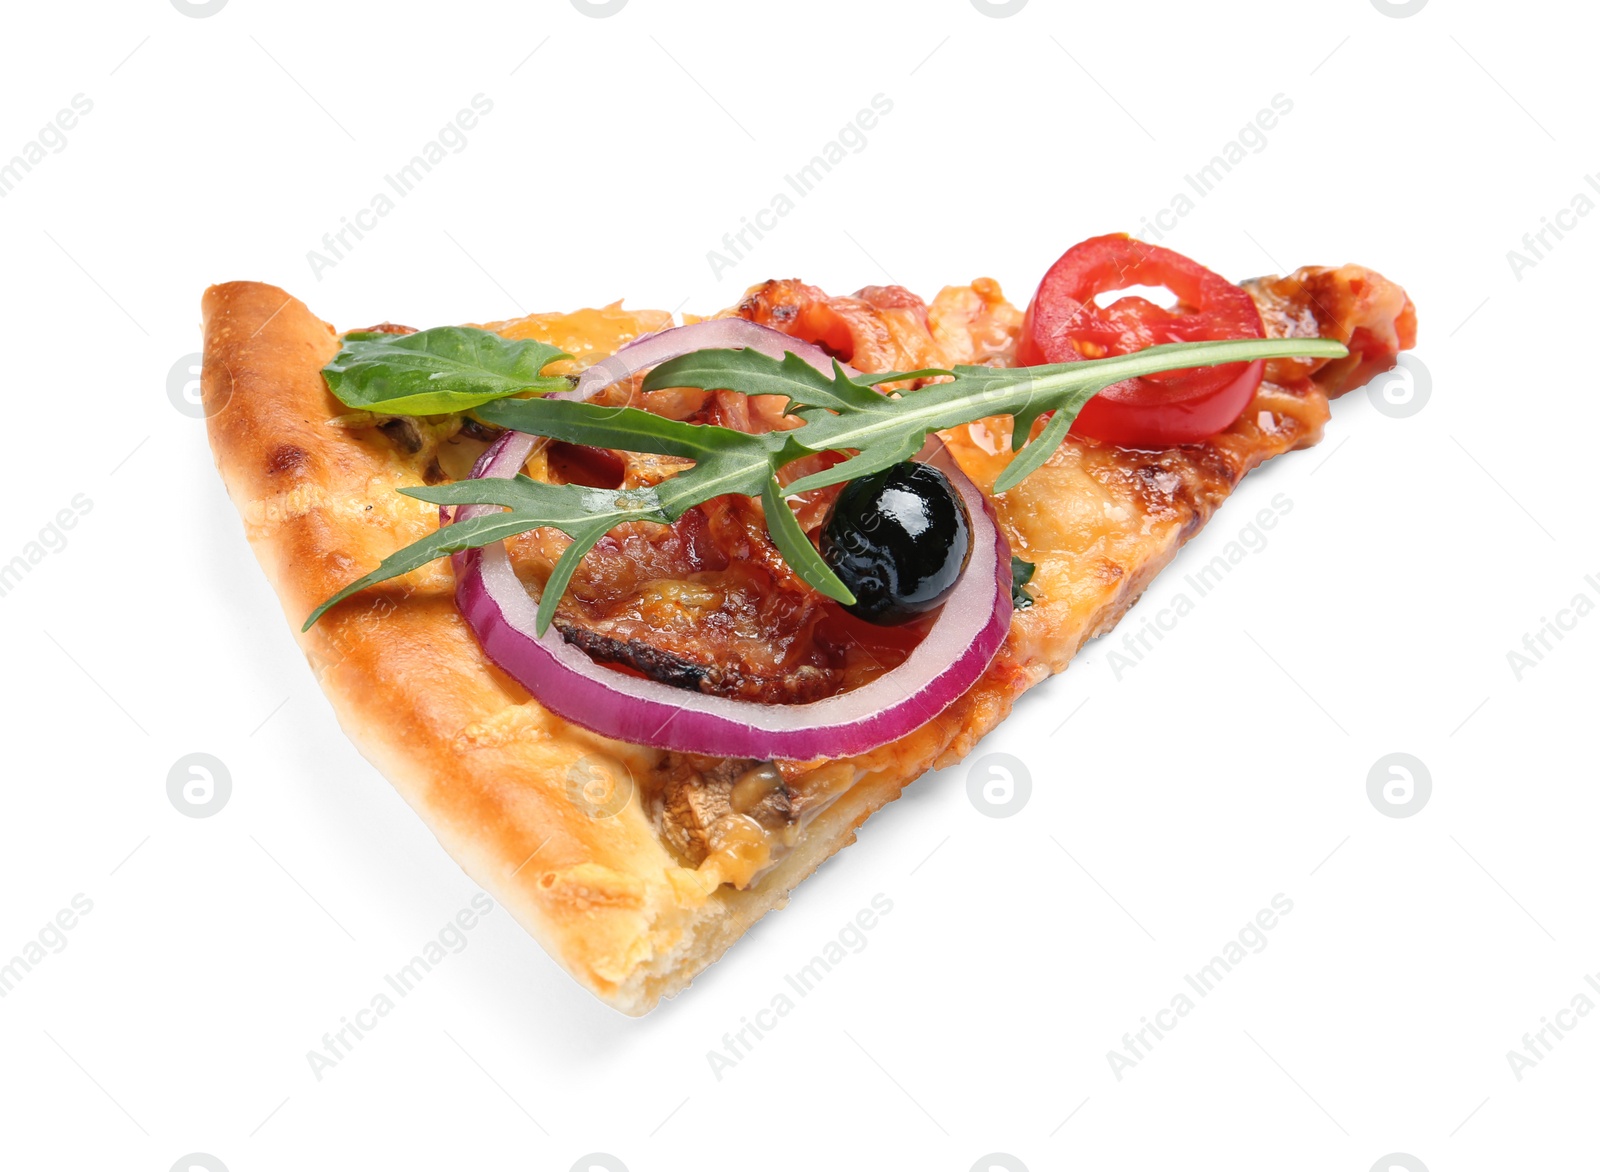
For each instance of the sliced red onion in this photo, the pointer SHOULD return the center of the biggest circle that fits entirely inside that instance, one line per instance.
(970, 629)
(503, 458)
(718, 333)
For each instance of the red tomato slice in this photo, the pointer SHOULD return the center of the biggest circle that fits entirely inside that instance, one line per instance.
(1063, 324)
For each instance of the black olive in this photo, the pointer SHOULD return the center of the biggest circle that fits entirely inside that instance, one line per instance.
(899, 540)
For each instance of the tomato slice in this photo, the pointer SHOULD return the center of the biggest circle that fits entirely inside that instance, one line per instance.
(1063, 324)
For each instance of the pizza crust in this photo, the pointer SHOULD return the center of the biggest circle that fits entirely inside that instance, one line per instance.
(493, 774)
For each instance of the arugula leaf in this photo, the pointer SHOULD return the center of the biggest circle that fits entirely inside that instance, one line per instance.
(1021, 575)
(754, 373)
(882, 430)
(438, 371)
(626, 428)
(750, 372)
(451, 539)
(837, 414)
(571, 508)
(796, 547)
(1032, 456)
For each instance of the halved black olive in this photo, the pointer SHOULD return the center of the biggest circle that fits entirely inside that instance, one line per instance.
(899, 540)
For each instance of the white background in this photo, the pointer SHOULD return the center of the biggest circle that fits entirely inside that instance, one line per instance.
(1169, 801)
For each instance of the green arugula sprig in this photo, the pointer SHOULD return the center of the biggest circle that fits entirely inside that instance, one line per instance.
(438, 371)
(838, 414)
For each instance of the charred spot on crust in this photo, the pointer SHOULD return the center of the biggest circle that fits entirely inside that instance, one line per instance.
(433, 474)
(286, 458)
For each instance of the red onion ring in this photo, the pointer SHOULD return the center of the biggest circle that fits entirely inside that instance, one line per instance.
(963, 640)
(718, 333)
(957, 649)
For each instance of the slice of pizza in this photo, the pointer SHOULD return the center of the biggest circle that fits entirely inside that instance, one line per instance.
(644, 620)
